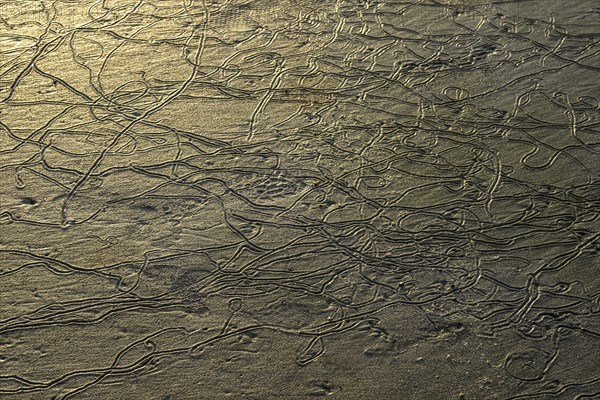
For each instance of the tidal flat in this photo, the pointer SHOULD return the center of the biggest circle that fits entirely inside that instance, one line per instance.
(299, 199)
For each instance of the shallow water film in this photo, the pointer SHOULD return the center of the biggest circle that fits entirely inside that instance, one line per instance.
(296, 199)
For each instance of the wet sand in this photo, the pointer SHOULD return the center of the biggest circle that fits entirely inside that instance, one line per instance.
(299, 199)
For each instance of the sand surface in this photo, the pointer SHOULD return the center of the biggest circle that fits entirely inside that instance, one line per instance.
(296, 199)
